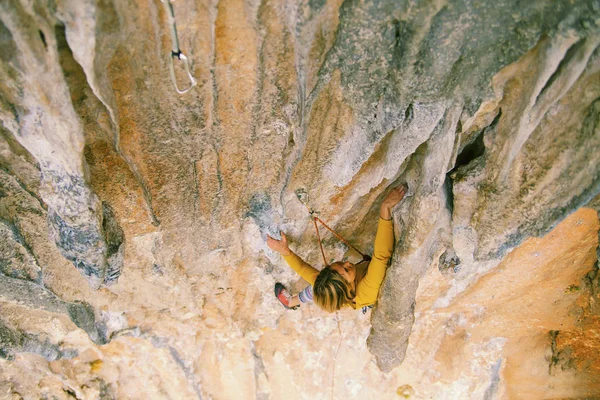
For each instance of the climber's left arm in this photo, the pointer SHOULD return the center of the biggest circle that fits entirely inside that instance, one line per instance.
(367, 289)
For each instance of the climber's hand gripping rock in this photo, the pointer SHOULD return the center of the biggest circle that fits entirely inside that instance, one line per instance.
(391, 200)
(280, 246)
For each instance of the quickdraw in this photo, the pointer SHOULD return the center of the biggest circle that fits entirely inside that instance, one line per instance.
(176, 52)
(303, 198)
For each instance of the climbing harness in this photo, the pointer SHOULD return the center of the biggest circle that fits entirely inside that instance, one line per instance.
(176, 51)
(303, 198)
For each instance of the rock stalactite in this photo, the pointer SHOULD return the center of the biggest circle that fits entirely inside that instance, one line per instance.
(489, 111)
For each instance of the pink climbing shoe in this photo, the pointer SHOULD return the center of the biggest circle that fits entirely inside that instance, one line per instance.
(283, 296)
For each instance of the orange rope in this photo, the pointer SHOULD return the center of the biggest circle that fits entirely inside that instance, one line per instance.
(315, 219)
(338, 236)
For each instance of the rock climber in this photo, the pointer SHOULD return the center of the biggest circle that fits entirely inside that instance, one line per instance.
(342, 284)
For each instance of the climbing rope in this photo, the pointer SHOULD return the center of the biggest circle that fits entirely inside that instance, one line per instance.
(176, 51)
(303, 198)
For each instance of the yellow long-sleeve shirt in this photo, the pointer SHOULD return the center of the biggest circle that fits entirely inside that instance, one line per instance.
(367, 289)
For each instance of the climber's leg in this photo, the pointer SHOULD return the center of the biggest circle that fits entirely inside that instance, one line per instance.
(306, 296)
(285, 298)
(289, 301)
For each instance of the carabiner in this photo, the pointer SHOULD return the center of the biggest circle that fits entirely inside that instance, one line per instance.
(176, 51)
(186, 66)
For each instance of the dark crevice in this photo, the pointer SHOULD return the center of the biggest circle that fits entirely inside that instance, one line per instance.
(408, 115)
(396, 24)
(476, 148)
(592, 279)
(470, 152)
(449, 261)
(71, 393)
(43, 37)
(397, 44)
(448, 189)
(564, 64)
(555, 356)
(402, 34)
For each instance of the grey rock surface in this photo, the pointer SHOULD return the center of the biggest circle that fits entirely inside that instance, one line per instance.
(40, 115)
(31, 295)
(13, 341)
(16, 260)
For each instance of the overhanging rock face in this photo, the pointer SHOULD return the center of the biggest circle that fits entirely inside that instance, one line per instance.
(489, 111)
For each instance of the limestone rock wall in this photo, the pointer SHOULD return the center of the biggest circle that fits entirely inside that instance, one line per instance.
(133, 218)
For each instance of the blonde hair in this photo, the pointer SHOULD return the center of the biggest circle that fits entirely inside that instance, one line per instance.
(331, 291)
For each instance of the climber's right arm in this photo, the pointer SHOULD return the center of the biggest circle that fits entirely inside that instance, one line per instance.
(303, 269)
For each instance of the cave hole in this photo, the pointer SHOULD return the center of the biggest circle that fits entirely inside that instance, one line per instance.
(470, 152)
(476, 148)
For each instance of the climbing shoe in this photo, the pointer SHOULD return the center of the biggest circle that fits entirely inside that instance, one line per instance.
(283, 296)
